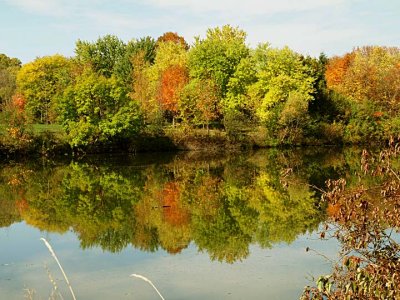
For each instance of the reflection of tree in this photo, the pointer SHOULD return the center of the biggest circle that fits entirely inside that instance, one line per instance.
(100, 203)
(9, 213)
(283, 213)
(223, 206)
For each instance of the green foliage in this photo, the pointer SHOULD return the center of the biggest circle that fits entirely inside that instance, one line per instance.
(103, 56)
(217, 56)
(274, 96)
(124, 67)
(98, 109)
(280, 72)
(365, 123)
(8, 74)
(198, 104)
(238, 106)
(41, 82)
(147, 45)
(274, 86)
(110, 56)
(293, 118)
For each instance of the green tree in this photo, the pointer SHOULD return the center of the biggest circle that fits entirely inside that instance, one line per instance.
(238, 106)
(125, 66)
(98, 109)
(41, 82)
(147, 45)
(104, 55)
(217, 56)
(280, 73)
(198, 104)
(8, 74)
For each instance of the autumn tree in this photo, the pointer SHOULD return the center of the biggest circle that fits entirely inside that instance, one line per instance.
(336, 70)
(16, 121)
(141, 87)
(369, 73)
(173, 79)
(157, 87)
(174, 38)
(41, 82)
(198, 104)
(366, 81)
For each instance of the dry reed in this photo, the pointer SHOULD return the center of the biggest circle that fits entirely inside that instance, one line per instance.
(59, 265)
(147, 280)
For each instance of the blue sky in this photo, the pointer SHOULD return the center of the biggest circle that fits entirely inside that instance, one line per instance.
(32, 28)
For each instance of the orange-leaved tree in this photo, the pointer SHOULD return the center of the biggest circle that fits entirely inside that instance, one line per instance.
(173, 37)
(173, 79)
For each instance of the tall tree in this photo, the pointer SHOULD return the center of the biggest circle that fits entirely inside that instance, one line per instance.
(41, 82)
(198, 104)
(98, 109)
(173, 80)
(141, 87)
(103, 55)
(124, 67)
(174, 38)
(8, 74)
(217, 56)
(157, 87)
(370, 74)
(282, 80)
(147, 45)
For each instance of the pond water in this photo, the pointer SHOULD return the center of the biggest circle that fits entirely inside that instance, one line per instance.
(199, 226)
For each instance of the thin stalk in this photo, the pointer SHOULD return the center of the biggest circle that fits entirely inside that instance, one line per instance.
(59, 265)
(147, 280)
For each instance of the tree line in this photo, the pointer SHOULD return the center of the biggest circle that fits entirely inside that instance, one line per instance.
(112, 90)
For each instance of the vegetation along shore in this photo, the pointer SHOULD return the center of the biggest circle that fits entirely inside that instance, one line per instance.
(162, 94)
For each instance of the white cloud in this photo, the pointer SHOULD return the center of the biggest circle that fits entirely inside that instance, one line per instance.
(221, 7)
(241, 7)
(45, 7)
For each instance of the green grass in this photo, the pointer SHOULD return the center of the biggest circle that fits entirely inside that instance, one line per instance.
(39, 128)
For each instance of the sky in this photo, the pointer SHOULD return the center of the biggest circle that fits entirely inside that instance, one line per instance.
(35, 28)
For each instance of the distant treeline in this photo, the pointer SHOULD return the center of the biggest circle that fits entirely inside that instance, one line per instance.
(112, 91)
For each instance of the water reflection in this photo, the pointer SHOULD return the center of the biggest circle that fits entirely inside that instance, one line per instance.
(221, 203)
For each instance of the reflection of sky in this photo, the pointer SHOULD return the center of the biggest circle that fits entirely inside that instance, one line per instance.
(278, 273)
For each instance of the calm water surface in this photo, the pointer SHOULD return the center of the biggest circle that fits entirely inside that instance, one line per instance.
(199, 226)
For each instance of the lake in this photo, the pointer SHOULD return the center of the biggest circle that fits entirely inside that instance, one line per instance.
(199, 226)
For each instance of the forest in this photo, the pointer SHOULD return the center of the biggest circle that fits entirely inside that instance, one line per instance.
(216, 91)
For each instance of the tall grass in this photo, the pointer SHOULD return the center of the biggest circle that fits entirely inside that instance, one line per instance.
(59, 265)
